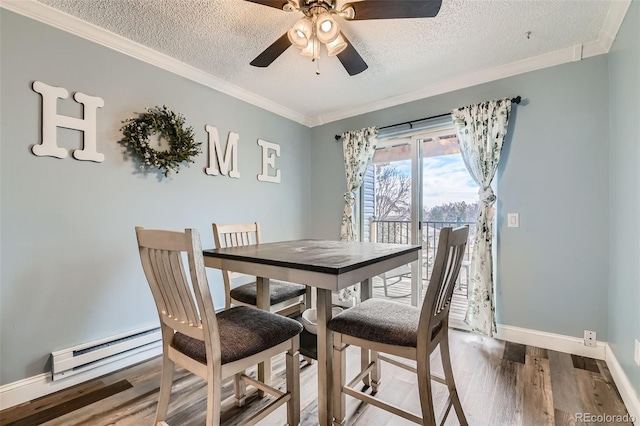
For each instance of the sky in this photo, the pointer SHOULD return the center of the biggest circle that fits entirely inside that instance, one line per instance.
(445, 179)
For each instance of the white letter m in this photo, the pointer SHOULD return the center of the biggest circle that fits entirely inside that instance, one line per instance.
(228, 165)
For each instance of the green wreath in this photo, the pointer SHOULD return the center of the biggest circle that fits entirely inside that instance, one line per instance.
(169, 125)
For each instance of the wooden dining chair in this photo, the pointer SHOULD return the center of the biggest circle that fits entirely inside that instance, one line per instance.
(212, 346)
(284, 298)
(388, 327)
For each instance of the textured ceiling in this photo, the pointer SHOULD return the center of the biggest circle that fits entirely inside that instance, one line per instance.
(221, 37)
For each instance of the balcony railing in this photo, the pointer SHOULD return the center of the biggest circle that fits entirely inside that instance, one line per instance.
(399, 232)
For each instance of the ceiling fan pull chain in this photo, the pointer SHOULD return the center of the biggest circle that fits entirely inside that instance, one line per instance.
(318, 66)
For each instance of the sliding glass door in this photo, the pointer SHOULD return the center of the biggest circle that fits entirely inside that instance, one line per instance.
(417, 185)
(390, 213)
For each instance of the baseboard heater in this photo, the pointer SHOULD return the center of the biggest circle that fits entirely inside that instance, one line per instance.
(75, 360)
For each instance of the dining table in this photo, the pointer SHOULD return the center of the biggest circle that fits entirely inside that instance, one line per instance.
(329, 266)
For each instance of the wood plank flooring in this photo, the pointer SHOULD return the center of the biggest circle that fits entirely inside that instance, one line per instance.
(499, 384)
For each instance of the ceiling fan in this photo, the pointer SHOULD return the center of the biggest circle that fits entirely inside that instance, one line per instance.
(318, 27)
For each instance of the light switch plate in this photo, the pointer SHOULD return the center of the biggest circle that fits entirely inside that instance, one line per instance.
(513, 220)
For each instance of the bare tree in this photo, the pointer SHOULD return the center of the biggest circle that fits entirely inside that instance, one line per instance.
(393, 193)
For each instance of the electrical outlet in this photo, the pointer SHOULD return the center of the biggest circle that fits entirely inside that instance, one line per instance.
(636, 355)
(590, 338)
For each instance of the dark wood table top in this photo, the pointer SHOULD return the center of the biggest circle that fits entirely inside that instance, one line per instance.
(329, 257)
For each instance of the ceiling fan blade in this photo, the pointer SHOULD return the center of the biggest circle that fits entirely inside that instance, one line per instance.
(394, 9)
(278, 4)
(351, 59)
(272, 52)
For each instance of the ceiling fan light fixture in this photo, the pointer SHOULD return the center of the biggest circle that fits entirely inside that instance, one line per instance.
(326, 28)
(301, 33)
(336, 46)
(312, 50)
(291, 6)
(348, 12)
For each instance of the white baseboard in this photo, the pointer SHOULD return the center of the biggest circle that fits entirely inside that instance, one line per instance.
(556, 342)
(30, 388)
(629, 396)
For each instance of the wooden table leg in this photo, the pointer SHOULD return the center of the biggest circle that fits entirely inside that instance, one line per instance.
(366, 291)
(263, 302)
(325, 360)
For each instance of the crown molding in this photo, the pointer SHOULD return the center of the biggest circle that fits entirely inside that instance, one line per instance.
(613, 21)
(55, 18)
(468, 80)
(63, 21)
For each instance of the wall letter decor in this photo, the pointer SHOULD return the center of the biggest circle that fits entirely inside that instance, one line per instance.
(269, 153)
(51, 120)
(215, 155)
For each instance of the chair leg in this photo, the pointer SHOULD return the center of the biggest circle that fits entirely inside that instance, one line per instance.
(307, 298)
(166, 380)
(339, 380)
(264, 374)
(365, 358)
(214, 398)
(375, 372)
(424, 390)
(239, 389)
(451, 384)
(292, 361)
(384, 285)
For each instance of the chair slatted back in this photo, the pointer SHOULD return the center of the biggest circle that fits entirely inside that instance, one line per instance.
(437, 302)
(235, 235)
(161, 256)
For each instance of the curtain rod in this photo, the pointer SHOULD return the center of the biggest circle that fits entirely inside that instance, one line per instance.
(515, 100)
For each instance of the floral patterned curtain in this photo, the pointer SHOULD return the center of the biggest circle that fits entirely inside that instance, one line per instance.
(481, 131)
(359, 147)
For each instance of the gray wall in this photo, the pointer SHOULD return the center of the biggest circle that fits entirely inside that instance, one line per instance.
(553, 270)
(624, 175)
(70, 267)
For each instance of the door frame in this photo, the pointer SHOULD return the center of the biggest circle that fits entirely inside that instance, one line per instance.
(415, 140)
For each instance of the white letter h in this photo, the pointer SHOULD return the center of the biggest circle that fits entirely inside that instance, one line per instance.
(51, 120)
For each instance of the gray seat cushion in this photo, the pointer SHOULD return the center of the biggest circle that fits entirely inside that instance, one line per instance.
(278, 291)
(244, 331)
(380, 320)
